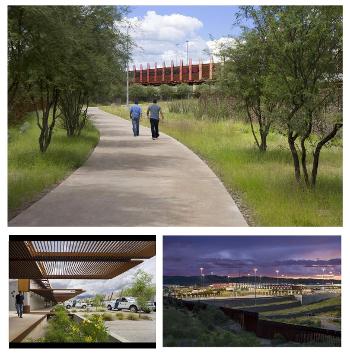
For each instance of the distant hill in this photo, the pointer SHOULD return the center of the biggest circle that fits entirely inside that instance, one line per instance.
(211, 279)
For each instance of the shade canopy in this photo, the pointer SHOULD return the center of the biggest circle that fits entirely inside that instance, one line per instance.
(65, 259)
(57, 295)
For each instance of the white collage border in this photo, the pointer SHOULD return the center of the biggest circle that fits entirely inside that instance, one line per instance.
(161, 231)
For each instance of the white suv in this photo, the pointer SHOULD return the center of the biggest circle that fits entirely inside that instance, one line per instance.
(129, 303)
(75, 304)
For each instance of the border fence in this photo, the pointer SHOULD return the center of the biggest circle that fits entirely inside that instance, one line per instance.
(269, 329)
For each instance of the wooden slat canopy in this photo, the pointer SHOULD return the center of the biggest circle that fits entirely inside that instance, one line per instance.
(57, 295)
(76, 259)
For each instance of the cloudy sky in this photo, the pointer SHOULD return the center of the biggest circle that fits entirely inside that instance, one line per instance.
(294, 256)
(161, 32)
(108, 286)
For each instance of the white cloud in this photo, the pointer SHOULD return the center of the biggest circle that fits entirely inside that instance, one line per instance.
(215, 46)
(108, 286)
(161, 38)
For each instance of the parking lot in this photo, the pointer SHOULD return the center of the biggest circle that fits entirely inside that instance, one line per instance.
(139, 330)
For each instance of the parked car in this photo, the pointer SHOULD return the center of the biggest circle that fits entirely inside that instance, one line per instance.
(75, 304)
(129, 303)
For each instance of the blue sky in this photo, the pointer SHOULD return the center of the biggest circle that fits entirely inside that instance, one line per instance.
(161, 32)
(217, 20)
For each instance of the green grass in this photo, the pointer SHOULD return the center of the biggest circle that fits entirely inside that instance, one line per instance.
(313, 307)
(264, 183)
(31, 172)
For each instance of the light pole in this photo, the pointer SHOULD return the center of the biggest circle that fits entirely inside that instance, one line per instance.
(323, 270)
(331, 274)
(277, 271)
(255, 270)
(201, 269)
(127, 64)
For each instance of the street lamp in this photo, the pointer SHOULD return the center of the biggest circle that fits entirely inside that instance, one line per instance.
(255, 270)
(323, 270)
(201, 269)
(277, 271)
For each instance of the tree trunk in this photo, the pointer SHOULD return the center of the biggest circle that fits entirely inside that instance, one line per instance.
(291, 142)
(317, 152)
(252, 126)
(304, 152)
(46, 128)
(263, 139)
(71, 104)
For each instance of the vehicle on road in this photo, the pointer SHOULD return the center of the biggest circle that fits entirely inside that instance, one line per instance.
(75, 304)
(128, 303)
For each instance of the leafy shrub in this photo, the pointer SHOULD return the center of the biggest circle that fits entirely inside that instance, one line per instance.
(61, 329)
(166, 92)
(200, 328)
(183, 91)
(93, 330)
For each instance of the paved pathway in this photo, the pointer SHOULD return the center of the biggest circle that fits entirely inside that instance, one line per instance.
(20, 327)
(135, 181)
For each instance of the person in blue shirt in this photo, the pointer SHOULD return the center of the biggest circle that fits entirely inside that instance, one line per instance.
(135, 115)
(153, 113)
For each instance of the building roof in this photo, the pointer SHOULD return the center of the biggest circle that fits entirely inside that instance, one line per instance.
(57, 295)
(66, 259)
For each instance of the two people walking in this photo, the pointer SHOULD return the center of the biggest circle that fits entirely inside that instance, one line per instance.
(153, 113)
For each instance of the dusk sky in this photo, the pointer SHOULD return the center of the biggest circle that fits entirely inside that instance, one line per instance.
(160, 32)
(293, 256)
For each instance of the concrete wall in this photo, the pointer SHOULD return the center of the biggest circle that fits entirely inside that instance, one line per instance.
(35, 301)
(13, 290)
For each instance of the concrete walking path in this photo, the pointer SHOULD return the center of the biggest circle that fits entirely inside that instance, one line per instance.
(19, 328)
(135, 181)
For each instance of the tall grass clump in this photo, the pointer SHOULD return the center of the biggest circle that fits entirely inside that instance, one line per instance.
(30, 172)
(181, 106)
(119, 316)
(214, 107)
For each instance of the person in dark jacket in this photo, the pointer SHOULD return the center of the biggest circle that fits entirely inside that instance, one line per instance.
(19, 304)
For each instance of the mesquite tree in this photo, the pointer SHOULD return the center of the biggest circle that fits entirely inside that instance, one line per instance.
(304, 44)
(244, 76)
(95, 62)
(60, 56)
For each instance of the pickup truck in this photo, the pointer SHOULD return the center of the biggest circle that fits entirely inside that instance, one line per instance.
(129, 303)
